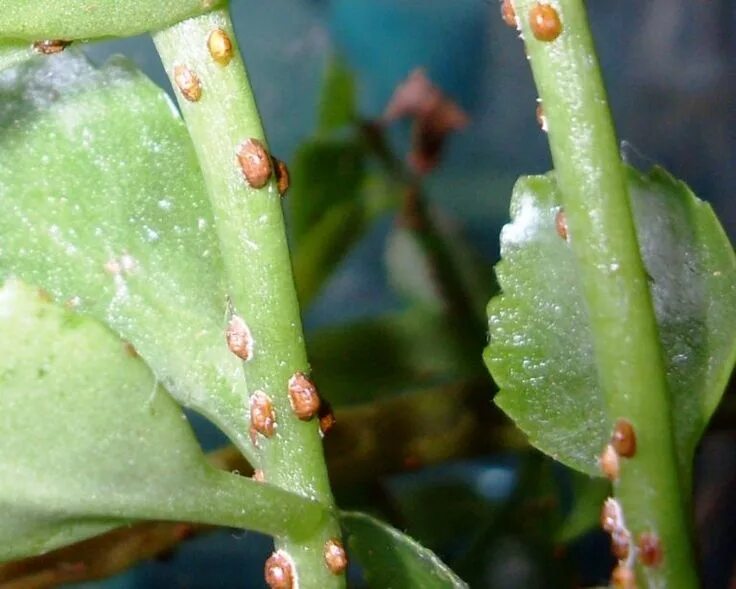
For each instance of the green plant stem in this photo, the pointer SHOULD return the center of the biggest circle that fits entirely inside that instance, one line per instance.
(602, 234)
(250, 226)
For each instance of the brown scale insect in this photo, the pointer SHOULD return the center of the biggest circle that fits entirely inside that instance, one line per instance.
(608, 461)
(335, 557)
(130, 350)
(561, 224)
(623, 438)
(545, 22)
(620, 545)
(650, 549)
(262, 414)
(188, 83)
(282, 175)
(303, 396)
(239, 339)
(279, 571)
(610, 515)
(623, 577)
(255, 162)
(326, 417)
(50, 46)
(541, 118)
(508, 13)
(220, 46)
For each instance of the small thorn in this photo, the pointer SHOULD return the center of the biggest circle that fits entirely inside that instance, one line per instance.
(258, 475)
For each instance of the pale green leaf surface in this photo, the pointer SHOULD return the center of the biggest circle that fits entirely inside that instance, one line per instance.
(540, 350)
(102, 204)
(87, 19)
(392, 560)
(13, 53)
(88, 440)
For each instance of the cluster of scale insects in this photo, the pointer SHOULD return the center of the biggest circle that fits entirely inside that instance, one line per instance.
(546, 26)
(257, 167)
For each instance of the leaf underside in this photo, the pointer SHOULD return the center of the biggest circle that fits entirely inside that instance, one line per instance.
(102, 205)
(541, 349)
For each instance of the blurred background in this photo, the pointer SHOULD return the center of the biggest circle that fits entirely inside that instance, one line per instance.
(501, 516)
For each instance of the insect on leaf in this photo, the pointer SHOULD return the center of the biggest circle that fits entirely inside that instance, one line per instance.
(541, 350)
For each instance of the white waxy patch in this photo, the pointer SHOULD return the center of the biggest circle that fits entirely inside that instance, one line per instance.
(526, 221)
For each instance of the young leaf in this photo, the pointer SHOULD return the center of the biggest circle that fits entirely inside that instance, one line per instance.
(325, 173)
(333, 202)
(337, 105)
(102, 204)
(540, 350)
(364, 360)
(392, 560)
(89, 440)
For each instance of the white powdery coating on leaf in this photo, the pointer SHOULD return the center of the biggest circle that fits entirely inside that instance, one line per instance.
(526, 220)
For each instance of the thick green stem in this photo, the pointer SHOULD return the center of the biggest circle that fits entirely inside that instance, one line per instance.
(602, 234)
(221, 115)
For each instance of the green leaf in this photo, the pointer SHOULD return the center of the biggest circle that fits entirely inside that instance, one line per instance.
(361, 361)
(585, 515)
(90, 440)
(337, 105)
(102, 204)
(324, 246)
(87, 19)
(541, 352)
(392, 560)
(417, 277)
(333, 202)
(14, 52)
(324, 173)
